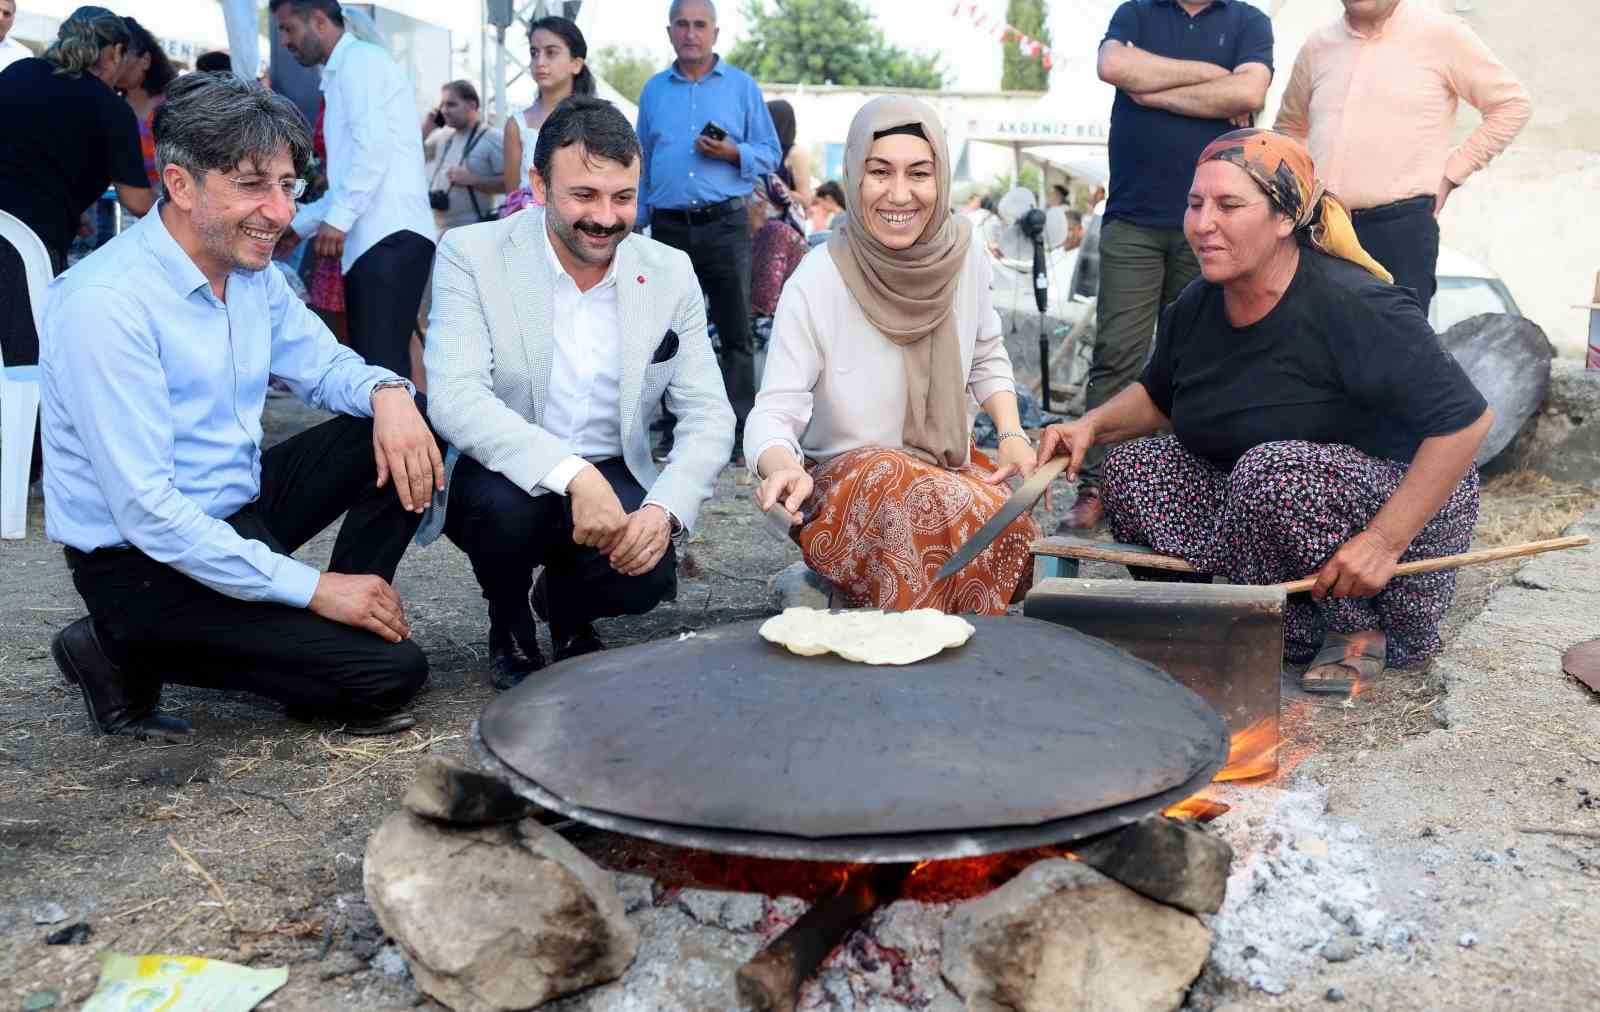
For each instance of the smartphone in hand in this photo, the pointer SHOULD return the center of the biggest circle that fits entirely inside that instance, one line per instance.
(713, 131)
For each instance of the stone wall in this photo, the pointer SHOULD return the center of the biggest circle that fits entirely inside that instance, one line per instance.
(1563, 439)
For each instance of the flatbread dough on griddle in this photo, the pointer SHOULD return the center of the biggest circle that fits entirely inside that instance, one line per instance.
(867, 637)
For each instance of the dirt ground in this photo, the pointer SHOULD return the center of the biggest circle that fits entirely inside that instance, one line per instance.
(247, 845)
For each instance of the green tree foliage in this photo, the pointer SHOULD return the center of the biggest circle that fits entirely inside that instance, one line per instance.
(625, 69)
(1026, 73)
(827, 41)
(1031, 179)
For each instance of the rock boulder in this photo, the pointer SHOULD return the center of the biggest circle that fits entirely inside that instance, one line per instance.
(1173, 862)
(1063, 936)
(502, 917)
(445, 792)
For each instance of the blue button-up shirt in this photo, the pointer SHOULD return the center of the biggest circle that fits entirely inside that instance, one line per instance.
(152, 392)
(672, 112)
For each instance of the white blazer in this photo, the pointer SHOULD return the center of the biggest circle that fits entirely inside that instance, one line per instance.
(491, 342)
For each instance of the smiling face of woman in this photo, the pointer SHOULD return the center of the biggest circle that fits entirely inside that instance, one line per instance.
(899, 189)
(1231, 225)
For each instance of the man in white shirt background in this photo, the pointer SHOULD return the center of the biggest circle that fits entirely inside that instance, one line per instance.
(375, 216)
(10, 49)
(546, 390)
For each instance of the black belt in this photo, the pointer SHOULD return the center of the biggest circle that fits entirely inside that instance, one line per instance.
(76, 556)
(692, 215)
(1398, 209)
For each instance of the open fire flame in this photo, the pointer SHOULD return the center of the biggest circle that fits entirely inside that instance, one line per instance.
(1255, 754)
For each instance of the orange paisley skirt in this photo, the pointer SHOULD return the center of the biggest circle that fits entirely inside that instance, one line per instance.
(883, 522)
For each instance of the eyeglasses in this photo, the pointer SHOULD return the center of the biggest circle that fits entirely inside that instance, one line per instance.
(254, 186)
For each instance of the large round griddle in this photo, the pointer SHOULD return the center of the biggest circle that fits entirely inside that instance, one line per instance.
(1029, 734)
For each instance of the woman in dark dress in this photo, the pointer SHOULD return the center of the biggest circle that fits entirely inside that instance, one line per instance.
(67, 135)
(1318, 426)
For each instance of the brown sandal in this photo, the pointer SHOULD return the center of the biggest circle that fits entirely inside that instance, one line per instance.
(1350, 658)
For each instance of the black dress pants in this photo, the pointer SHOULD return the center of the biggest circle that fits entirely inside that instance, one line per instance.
(1404, 237)
(166, 627)
(506, 533)
(718, 245)
(382, 292)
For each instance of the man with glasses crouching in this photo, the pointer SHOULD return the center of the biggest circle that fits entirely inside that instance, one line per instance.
(178, 527)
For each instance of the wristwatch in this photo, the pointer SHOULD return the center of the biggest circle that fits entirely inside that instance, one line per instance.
(388, 383)
(675, 526)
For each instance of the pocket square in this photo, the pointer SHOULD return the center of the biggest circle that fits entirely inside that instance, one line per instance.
(666, 349)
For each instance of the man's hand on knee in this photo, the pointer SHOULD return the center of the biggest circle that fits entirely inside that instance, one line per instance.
(598, 519)
(644, 541)
(405, 449)
(364, 602)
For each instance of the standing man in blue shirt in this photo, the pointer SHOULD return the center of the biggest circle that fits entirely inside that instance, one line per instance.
(707, 138)
(178, 528)
(1186, 72)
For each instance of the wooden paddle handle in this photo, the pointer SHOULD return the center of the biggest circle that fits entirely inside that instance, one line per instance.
(1465, 559)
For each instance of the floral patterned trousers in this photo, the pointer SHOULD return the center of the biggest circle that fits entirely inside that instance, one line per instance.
(1281, 513)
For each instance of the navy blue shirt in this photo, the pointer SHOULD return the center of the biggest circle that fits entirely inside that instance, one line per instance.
(1153, 151)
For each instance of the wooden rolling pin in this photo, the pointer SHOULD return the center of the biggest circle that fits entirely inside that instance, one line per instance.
(1131, 556)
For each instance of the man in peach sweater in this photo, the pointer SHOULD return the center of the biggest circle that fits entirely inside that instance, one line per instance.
(1374, 96)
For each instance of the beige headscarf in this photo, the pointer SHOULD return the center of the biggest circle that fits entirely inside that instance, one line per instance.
(909, 294)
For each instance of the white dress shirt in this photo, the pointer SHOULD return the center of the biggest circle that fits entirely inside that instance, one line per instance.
(11, 51)
(376, 185)
(586, 375)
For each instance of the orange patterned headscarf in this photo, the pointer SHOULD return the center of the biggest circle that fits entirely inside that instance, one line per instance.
(1283, 168)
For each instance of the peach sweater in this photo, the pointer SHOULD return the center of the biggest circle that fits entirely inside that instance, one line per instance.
(1378, 112)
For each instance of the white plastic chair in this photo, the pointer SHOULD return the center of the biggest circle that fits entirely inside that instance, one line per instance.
(19, 386)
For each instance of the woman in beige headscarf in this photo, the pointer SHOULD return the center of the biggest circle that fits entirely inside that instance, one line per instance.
(884, 343)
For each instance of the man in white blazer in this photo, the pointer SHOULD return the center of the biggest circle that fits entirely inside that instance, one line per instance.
(555, 335)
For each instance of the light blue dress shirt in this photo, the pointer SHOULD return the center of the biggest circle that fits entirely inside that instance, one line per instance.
(672, 112)
(152, 392)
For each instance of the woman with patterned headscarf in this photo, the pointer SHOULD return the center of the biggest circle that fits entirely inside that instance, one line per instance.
(884, 342)
(1318, 426)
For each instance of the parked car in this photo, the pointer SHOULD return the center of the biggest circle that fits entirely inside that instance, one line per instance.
(1466, 288)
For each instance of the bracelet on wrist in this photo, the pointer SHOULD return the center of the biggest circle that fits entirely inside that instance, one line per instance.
(1013, 435)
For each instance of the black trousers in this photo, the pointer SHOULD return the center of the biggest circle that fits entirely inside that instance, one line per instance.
(1404, 237)
(719, 248)
(382, 292)
(169, 628)
(506, 533)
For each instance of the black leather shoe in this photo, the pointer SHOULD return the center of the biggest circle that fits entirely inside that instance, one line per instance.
(510, 659)
(584, 641)
(117, 703)
(389, 723)
(539, 597)
(363, 727)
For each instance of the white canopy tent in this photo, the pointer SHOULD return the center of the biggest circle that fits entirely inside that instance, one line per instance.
(186, 28)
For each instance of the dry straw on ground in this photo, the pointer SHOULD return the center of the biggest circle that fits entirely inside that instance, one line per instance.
(1528, 506)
